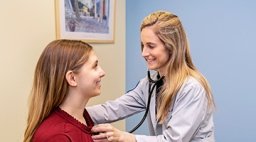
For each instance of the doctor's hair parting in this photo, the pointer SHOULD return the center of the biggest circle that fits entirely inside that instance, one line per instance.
(50, 86)
(168, 28)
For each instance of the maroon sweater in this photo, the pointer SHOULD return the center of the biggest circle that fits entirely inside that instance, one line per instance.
(62, 127)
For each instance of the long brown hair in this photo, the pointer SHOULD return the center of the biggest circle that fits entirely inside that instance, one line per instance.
(169, 30)
(50, 86)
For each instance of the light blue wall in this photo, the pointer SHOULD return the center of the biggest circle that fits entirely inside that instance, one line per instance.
(222, 35)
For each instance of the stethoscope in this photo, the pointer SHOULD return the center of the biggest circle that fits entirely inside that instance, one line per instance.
(150, 92)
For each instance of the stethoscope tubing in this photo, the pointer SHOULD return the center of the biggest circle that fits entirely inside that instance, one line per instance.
(150, 92)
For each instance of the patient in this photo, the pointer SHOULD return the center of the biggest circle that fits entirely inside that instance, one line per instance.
(67, 75)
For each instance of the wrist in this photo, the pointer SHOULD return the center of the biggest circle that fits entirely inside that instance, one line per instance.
(129, 137)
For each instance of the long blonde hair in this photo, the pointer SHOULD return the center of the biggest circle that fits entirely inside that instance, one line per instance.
(169, 30)
(50, 86)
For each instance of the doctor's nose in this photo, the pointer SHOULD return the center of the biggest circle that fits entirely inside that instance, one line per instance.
(144, 52)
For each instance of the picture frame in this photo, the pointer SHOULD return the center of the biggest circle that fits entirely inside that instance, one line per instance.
(92, 21)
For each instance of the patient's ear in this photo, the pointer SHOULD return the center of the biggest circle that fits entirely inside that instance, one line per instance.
(71, 79)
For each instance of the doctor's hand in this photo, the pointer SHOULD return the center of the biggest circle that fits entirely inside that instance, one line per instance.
(108, 133)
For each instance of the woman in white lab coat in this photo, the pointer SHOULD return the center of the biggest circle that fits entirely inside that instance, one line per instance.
(181, 108)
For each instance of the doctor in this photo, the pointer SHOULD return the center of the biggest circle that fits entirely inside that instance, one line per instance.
(181, 105)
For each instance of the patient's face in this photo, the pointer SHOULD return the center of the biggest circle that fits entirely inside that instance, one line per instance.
(89, 77)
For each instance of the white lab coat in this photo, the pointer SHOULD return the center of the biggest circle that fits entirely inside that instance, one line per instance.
(190, 120)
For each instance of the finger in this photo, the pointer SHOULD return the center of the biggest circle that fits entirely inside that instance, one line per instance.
(109, 136)
(102, 128)
(104, 140)
(103, 125)
(99, 136)
(106, 125)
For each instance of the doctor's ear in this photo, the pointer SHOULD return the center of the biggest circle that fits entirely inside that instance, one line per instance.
(71, 79)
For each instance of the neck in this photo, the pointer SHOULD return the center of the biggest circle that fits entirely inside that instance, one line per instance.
(161, 73)
(74, 104)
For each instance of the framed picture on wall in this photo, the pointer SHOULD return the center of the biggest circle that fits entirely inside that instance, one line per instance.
(88, 20)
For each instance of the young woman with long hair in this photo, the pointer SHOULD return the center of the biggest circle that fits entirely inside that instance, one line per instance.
(67, 75)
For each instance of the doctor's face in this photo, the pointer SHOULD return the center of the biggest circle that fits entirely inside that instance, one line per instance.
(153, 50)
(89, 77)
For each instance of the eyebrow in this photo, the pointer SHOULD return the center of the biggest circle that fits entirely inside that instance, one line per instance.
(150, 43)
(147, 43)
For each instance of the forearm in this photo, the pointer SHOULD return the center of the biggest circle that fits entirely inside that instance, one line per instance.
(114, 110)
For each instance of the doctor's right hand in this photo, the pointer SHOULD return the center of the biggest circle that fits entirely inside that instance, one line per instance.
(108, 133)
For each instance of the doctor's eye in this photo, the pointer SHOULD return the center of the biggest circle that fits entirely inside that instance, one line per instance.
(151, 45)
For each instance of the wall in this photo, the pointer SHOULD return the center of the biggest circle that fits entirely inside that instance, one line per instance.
(26, 27)
(222, 41)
